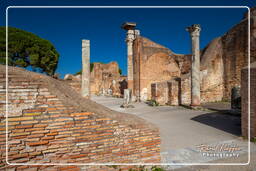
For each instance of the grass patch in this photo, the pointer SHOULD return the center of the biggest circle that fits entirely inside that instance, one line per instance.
(253, 139)
(152, 103)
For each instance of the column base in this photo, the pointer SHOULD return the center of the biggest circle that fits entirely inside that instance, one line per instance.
(196, 107)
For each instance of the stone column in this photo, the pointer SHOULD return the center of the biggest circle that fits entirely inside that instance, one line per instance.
(129, 41)
(85, 68)
(194, 31)
(130, 37)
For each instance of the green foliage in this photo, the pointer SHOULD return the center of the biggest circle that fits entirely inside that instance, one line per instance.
(91, 66)
(120, 71)
(152, 103)
(253, 139)
(78, 73)
(25, 49)
(138, 168)
(142, 168)
(155, 168)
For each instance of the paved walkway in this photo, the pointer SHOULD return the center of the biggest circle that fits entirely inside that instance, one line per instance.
(183, 130)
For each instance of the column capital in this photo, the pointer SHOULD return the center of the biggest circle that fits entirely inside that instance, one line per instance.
(128, 26)
(131, 35)
(194, 30)
(132, 32)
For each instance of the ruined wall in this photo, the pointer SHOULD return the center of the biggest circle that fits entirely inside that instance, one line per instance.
(183, 61)
(160, 92)
(235, 52)
(245, 102)
(211, 75)
(222, 60)
(50, 123)
(104, 78)
(152, 63)
(221, 63)
(167, 92)
(212, 71)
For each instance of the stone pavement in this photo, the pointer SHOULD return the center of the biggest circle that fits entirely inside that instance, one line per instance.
(183, 130)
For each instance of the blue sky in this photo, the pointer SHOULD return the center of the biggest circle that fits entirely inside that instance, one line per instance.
(65, 28)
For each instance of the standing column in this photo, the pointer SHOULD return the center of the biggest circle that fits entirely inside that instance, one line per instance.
(130, 37)
(194, 31)
(129, 41)
(86, 68)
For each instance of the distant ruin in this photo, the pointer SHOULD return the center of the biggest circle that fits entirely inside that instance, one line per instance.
(105, 79)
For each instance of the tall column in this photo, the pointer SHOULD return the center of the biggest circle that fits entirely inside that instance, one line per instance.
(130, 37)
(85, 68)
(129, 40)
(194, 31)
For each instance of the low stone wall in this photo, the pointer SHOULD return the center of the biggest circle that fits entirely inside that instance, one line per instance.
(117, 88)
(178, 91)
(42, 128)
(244, 100)
(166, 93)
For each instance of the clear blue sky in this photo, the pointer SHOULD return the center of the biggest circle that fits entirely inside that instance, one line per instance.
(65, 28)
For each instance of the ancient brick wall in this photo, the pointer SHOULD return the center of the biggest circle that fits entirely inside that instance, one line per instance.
(44, 128)
(152, 63)
(235, 55)
(221, 63)
(212, 71)
(167, 92)
(235, 52)
(160, 92)
(104, 77)
(245, 102)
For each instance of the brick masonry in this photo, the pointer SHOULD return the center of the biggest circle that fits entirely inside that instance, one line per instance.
(103, 78)
(43, 129)
(221, 63)
(166, 93)
(244, 98)
(152, 63)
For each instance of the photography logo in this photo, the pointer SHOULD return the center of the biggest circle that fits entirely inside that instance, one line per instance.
(220, 150)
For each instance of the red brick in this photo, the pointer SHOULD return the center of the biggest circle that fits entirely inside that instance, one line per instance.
(78, 156)
(38, 143)
(81, 114)
(24, 126)
(48, 138)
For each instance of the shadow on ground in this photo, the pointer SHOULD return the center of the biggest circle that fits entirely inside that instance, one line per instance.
(227, 123)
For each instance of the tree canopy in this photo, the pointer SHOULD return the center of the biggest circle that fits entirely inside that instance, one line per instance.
(26, 49)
